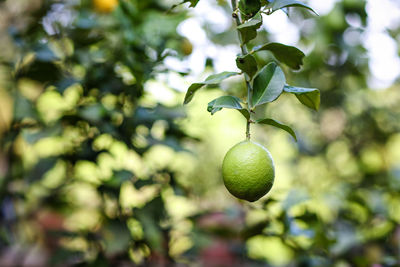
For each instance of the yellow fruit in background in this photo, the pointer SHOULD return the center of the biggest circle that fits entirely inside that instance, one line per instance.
(186, 47)
(248, 171)
(105, 6)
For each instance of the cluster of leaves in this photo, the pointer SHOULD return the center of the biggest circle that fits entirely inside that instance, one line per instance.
(342, 208)
(364, 230)
(88, 76)
(264, 83)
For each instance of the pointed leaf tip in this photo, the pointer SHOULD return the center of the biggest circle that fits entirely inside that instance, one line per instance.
(231, 102)
(279, 125)
(211, 80)
(309, 97)
(279, 4)
(289, 55)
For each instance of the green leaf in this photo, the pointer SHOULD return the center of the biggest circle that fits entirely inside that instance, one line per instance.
(224, 102)
(118, 178)
(249, 7)
(40, 169)
(245, 113)
(247, 64)
(278, 125)
(116, 236)
(248, 30)
(211, 80)
(279, 4)
(268, 84)
(193, 3)
(227, 101)
(289, 55)
(310, 97)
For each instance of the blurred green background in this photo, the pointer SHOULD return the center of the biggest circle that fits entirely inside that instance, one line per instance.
(102, 165)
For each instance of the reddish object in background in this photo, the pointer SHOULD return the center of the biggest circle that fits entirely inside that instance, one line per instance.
(218, 254)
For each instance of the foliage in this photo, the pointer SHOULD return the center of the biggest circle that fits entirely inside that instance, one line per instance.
(78, 91)
(95, 169)
(268, 82)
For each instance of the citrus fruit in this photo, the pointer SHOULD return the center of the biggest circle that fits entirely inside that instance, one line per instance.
(186, 47)
(105, 6)
(248, 171)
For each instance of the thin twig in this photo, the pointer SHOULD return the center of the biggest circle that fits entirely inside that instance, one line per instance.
(243, 47)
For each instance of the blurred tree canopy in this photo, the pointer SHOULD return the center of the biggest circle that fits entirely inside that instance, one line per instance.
(96, 169)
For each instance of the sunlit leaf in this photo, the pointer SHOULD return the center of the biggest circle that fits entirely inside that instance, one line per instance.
(268, 84)
(193, 3)
(231, 102)
(279, 4)
(211, 80)
(217, 104)
(279, 125)
(310, 97)
(289, 55)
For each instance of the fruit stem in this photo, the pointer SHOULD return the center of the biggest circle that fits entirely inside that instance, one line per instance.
(243, 47)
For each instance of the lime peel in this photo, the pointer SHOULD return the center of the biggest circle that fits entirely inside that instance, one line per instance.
(248, 171)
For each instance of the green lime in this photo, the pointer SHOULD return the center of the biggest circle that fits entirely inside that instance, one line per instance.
(248, 171)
